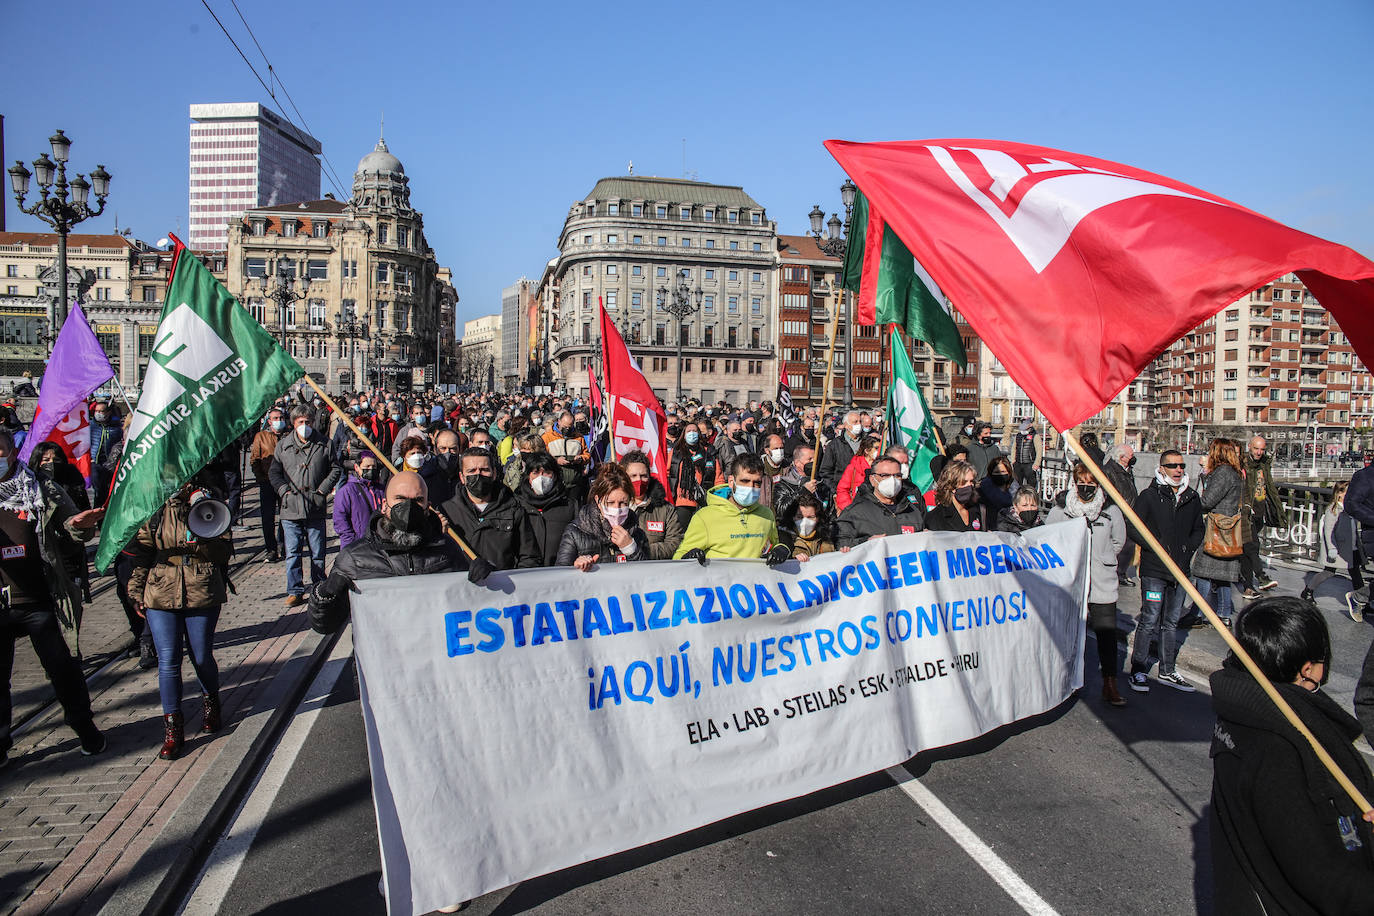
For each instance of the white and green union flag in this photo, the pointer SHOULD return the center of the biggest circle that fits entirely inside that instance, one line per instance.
(212, 374)
(911, 423)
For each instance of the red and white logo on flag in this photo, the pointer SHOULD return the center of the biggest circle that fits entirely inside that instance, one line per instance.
(637, 421)
(1078, 271)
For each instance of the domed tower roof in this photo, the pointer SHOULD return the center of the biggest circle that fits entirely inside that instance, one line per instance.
(380, 161)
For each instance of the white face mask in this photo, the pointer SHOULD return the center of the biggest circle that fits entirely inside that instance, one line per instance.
(775, 455)
(906, 471)
(890, 487)
(304, 431)
(805, 526)
(541, 485)
(414, 460)
(615, 516)
(855, 429)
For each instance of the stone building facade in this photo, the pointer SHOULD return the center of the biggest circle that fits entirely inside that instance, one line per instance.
(630, 240)
(366, 260)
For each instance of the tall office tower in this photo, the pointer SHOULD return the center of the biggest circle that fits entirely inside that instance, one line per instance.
(244, 156)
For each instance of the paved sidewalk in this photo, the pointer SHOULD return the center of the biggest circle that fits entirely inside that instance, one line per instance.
(73, 828)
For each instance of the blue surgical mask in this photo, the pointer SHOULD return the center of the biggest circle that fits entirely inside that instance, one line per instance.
(4, 466)
(278, 425)
(746, 496)
(692, 437)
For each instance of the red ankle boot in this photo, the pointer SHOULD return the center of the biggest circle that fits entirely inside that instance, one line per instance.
(176, 736)
(212, 713)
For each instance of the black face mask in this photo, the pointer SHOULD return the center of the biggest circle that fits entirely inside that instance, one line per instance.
(1086, 492)
(966, 496)
(565, 431)
(1001, 479)
(447, 461)
(408, 515)
(674, 431)
(1029, 516)
(480, 487)
(986, 440)
(1131, 463)
(582, 429)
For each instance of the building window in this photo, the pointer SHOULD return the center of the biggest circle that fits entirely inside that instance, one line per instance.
(732, 337)
(586, 298)
(732, 217)
(685, 213)
(586, 270)
(381, 315)
(383, 233)
(11, 290)
(636, 240)
(12, 270)
(756, 306)
(756, 337)
(636, 209)
(758, 246)
(317, 270)
(317, 314)
(611, 298)
(258, 309)
(709, 215)
(686, 242)
(610, 270)
(661, 272)
(288, 228)
(636, 300)
(637, 270)
(403, 236)
(661, 212)
(586, 332)
(734, 276)
(660, 332)
(734, 246)
(150, 294)
(612, 240)
(318, 228)
(708, 304)
(663, 240)
(756, 277)
(258, 227)
(383, 272)
(613, 209)
(733, 305)
(755, 219)
(255, 267)
(708, 336)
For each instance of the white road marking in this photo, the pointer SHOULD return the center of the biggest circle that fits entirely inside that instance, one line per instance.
(214, 881)
(1019, 891)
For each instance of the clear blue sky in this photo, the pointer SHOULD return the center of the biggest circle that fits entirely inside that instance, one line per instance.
(505, 114)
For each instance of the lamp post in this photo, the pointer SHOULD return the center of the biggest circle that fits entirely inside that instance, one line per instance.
(680, 302)
(349, 327)
(63, 207)
(1313, 424)
(378, 354)
(835, 244)
(1189, 447)
(283, 292)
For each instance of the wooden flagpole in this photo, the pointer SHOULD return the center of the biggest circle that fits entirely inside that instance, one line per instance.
(829, 377)
(1227, 636)
(380, 457)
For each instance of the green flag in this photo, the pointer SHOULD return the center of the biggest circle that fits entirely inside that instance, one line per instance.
(910, 423)
(893, 288)
(212, 374)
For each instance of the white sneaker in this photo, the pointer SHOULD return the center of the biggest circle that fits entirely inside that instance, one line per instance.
(1139, 683)
(1175, 680)
(453, 907)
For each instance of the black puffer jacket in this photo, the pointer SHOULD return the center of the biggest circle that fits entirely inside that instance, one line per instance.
(1276, 840)
(377, 556)
(589, 534)
(547, 517)
(500, 535)
(866, 516)
(1177, 524)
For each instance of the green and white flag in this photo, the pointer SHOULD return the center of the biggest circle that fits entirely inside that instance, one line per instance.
(911, 424)
(893, 288)
(212, 374)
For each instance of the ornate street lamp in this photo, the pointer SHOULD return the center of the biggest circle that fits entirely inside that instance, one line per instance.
(348, 327)
(680, 302)
(62, 207)
(835, 243)
(283, 292)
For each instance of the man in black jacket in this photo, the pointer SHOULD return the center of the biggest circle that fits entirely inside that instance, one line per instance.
(403, 539)
(303, 475)
(880, 507)
(1359, 504)
(487, 515)
(1172, 512)
(840, 450)
(1120, 461)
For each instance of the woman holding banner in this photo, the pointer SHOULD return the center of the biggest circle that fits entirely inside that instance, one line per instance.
(1107, 532)
(605, 530)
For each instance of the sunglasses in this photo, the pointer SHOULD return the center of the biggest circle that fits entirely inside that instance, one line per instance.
(1173, 464)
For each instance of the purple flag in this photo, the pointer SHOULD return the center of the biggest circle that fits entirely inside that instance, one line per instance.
(76, 368)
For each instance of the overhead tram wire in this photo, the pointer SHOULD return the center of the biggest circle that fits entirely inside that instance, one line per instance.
(329, 166)
(329, 172)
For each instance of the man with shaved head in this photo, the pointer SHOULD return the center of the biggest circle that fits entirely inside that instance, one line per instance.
(404, 538)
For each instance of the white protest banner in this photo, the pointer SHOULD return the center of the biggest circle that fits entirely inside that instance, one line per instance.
(552, 717)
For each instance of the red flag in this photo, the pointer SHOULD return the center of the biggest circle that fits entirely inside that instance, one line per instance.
(73, 434)
(1078, 271)
(637, 420)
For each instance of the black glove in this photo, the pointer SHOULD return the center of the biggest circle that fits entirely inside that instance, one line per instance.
(696, 553)
(779, 555)
(478, 570)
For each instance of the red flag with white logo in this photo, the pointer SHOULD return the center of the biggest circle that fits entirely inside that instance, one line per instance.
(637, 420)
(1079, 271)
(73, 435)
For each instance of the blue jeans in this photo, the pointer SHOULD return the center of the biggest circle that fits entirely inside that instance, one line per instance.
(197, 625)
(295, 533)
(267, 511)
(1218, 595)
(1161, 605)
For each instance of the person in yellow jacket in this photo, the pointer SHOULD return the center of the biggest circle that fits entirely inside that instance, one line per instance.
(733, 524)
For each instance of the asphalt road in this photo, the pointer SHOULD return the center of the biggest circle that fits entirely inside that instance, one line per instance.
(1085, 807)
